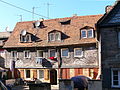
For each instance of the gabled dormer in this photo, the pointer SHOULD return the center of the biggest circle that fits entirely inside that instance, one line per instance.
(87, 32)
(25, 37)
(54, 35)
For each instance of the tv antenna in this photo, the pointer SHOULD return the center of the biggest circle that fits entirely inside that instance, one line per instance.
(20, 18)
(48, 9)
(33, 12)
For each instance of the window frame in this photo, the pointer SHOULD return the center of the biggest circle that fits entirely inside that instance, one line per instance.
(62, 52)
(27, 54)
(59, 37)
(87, 30)
(26, 75)
(50, 36)
(55, 52)
(24, 38)
(78, 55)
(92, 33)
(38, 52)
(38, 74)
(112, 85)
(12, 54)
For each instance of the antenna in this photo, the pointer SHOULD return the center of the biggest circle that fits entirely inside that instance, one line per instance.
(20, 18)
(23, 32)
(48, 9)
(33, 12)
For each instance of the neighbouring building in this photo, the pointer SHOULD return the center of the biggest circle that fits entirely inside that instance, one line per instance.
(55, 48)
(109, 46)
(3, 38)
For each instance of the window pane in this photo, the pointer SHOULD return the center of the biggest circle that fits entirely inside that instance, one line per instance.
(40, 54)
(83, 34)
(27, 73)
(27, 54)
(65, 52)
(52, 53)
(115, 77)
(51, 37)
(27, 38)
(14, 54)
(78, 52)
(115, 82)
(115, 72)
(119, 39)
(41, 74)
(90, 33)
(57, 36)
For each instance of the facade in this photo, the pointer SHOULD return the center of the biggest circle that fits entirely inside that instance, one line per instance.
(109, 38)
(55, 48)
(3, 38)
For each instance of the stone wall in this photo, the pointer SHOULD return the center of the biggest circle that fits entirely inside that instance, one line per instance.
(89, 59)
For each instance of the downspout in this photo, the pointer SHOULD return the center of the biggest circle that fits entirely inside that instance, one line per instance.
(99, 57)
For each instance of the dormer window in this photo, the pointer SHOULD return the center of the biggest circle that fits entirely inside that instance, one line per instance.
(25, 37)
(54, 36)
(87, 33)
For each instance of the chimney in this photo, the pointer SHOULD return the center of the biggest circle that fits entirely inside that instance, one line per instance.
(108, 8)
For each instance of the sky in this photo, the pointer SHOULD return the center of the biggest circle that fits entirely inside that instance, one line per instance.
(10, 15)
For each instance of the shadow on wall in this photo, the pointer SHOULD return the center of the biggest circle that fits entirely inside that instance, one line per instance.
(2, 62)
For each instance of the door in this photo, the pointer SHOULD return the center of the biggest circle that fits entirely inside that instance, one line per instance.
(53, 77)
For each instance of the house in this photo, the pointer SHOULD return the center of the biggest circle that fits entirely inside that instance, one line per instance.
(109, 45)
(54, 48)
(3, 38)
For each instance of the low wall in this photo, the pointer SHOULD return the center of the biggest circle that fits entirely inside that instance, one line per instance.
(95, 85)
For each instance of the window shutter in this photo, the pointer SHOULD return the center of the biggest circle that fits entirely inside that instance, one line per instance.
(46, 77)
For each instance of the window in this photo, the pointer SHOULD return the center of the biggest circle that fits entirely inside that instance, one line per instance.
(83, 34)
(56, 36)
(52, 53)
(64, 52)
(39, 53)
(25, 38)
(40, 74)
(87, 33)
(14, 54)
(115, 78)
(78, 52)
(27, 73)
(52, 37)
(26, 54)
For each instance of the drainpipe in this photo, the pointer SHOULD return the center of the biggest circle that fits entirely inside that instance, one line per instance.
(99, 57)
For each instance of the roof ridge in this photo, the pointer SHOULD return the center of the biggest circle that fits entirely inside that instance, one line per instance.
(61, 18)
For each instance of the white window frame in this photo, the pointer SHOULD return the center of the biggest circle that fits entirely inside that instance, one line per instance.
(59, 36)
(25, 74)
(53, 36)
(38, 73)
(86, 33)
(115, 86)
(92, 33)
(27, 53)
(38, 52)
(78, 55)
(55, 52)
(12, 54)
(62, 52)
(25, 38)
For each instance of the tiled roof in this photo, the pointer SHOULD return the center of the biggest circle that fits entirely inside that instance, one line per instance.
(4, 35)
(72, 30)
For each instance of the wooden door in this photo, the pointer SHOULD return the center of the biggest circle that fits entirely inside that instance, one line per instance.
(53, 77)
